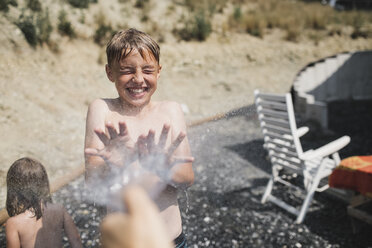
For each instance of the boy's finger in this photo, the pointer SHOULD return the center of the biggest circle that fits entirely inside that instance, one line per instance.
(180, 160)
(112, 131)
(164, 135)
(177, 160)
(141, 145)
(102, 136)
(91, 152)
(176, 143)
(95, 152)
(150, 140)
(123, 128)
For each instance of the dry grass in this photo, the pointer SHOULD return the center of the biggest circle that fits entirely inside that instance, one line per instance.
(195, 27)
(254, 24)
(36, 27)
(104, 29)
(295, 17)
(197, 24)
(197, 19)
(64, 25)
(210, 6)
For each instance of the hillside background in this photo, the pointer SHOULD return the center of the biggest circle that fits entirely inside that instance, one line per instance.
(213, 53)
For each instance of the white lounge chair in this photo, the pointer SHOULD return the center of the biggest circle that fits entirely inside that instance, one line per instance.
(282, 141)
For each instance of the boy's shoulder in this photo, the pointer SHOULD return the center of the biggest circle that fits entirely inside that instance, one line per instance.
(101, 106)
(101, 103)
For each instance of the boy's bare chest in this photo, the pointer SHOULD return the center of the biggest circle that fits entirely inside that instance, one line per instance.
(140, 125)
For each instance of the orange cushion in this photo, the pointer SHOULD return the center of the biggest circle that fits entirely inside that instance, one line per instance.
(353, 173)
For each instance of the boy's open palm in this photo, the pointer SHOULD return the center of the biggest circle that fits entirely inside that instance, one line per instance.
(158, 157)
(119, 148)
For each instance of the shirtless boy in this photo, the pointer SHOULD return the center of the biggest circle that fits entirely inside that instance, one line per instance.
(132, 129)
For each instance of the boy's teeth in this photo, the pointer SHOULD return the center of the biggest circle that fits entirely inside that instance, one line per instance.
(136, 90)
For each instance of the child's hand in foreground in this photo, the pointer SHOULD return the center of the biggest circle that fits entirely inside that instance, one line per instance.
(140, 227)
(119, 148)
(157, 157)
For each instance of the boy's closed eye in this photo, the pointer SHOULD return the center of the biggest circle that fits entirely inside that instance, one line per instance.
(127, 70)
(148, 69)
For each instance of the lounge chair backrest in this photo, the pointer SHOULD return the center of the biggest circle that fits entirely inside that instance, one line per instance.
(278, 124)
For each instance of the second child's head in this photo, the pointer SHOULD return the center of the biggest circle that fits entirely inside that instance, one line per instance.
(133, 65)
(27, 187)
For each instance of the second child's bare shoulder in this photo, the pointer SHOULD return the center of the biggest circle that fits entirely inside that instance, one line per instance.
(19, 220)
(13, 224)
(15, 220)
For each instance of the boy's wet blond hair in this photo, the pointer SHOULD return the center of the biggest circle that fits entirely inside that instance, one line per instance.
(124, 41)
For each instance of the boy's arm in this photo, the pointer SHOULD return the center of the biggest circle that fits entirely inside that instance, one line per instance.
(94, 165)
(12, 237)
(182, 174)
(71, 231)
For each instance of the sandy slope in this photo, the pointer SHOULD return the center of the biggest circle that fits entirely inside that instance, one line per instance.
(44, 96)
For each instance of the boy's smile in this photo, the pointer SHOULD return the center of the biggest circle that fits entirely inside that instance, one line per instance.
(135, 78)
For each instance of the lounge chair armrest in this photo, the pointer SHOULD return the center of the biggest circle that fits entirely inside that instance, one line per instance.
(302, 131)
(327, 149)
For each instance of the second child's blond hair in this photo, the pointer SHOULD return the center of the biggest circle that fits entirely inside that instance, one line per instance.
(124, 41)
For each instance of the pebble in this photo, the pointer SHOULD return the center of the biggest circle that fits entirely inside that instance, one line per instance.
(207, 219)
(234, 243)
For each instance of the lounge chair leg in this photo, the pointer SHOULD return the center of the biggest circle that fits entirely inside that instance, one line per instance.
(270, 184)
(304, 208)
(269, 187)
(307, 201)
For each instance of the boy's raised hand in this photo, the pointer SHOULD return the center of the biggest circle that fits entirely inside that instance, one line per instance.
(158, 157)
(119, 148)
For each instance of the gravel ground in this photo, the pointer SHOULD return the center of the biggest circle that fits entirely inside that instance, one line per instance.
(223, 209)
